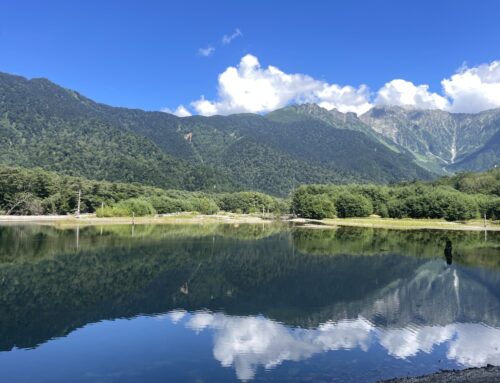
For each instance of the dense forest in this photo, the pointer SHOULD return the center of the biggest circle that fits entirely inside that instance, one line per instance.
(36, 191)
(460, 197)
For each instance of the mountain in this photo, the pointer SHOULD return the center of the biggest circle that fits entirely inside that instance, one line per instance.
(439, 139)
(45, 125)
(301, 150)
(483, 158)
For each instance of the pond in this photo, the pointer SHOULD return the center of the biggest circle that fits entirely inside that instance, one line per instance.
(222, 303)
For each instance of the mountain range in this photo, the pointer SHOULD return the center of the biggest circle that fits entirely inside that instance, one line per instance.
(45, 125)
(440, 140)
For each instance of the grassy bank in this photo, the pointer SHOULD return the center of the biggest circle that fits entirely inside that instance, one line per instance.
(412, 224)
(233, 218)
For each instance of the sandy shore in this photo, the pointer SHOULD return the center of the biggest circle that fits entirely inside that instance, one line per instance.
(231, 218)
(91, 219)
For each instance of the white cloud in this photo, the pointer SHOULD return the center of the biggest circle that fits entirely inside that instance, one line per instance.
(475, 345)
(245, 343)
(474, 89)
(200, 320)
(204, 107)
(251, 88)
(470, 90)
(180, 111)
(345, 99)
(205, 52)
(176, 315)
(227, 39)
(470, 344)
(405, 93)
(406, 342)
(249, 342)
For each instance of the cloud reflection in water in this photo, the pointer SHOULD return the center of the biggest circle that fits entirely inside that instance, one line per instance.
(249, 342)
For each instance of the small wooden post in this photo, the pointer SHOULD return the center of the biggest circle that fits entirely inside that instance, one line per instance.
(133, 218)
(484, 219)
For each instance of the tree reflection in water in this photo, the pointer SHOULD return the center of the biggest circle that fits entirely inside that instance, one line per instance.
(267, 294)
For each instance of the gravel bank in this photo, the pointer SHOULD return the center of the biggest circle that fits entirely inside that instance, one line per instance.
(488, 374)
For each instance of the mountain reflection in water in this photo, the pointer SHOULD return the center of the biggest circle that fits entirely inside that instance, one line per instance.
(246, 343)
(358, 304)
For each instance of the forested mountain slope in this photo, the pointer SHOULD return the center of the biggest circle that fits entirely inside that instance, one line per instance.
(43, 124)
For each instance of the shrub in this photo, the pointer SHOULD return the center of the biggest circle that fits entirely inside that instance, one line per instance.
(397, 209)
(353, 205)
(378, 195)
(281, 206)
(106, 211)
(127, 208)
(247, 202)
(165, 205)
(435, 203)
(492, 209)
(204, 205)
(317, 207)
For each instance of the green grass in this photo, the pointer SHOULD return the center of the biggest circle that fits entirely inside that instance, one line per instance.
(411, 223)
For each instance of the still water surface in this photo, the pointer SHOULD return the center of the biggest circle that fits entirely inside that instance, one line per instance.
(217, 303)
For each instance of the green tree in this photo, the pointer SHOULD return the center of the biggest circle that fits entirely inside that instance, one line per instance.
(317, 207)
(353, 205)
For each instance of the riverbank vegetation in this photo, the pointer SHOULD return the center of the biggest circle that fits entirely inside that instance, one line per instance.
(465, 196)
(462, 197)
(39, 192)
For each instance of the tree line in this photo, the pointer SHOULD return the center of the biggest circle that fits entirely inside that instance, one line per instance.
(36, 192)
(461, 197)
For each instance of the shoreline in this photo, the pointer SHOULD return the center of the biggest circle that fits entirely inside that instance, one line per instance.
(413, 224)
(488, 374)
(164, 219)
(234, 218)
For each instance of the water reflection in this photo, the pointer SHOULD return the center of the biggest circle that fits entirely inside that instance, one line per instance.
(448, 252)
(246, 343)
(263, 294)
(249, 342)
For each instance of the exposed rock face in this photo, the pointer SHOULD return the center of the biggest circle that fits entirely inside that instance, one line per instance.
(454, 141)
(439, 141)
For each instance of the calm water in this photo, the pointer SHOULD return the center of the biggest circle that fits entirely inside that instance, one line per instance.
(248, 303)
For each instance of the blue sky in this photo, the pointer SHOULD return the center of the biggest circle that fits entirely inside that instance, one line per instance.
(146, 54)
